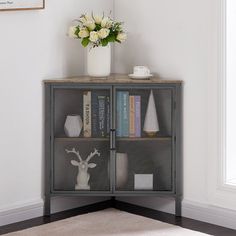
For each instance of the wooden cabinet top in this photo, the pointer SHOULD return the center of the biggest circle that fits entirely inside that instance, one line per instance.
(113, 79)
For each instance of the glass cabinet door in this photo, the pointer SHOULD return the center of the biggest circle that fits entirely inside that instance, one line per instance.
(81, 142)
(144, 139)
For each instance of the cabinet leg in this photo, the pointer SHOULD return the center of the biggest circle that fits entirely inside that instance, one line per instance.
(178, 206)
(47, 206)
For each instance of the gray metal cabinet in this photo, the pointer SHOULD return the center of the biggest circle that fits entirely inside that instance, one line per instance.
(159, 157)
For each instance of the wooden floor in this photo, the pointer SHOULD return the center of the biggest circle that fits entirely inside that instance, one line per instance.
(164, 217)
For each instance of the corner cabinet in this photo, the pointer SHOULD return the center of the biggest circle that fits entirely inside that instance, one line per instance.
(122, 159)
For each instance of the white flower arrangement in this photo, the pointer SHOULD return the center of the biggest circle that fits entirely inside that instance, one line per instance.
(97, 30)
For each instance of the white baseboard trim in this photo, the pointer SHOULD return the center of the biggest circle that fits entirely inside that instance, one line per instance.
(20, 212)
(194, 210)
(209, 213)
(32, 209)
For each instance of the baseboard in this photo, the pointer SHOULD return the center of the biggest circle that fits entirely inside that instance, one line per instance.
(21, 211)
(193, 210)
(33, 209)
(210, 214)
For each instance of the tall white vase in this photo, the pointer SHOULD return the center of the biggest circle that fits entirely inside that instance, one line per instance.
(99, 61)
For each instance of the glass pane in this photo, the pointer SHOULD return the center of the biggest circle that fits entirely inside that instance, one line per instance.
(92, 104)
(81, 139)
(66, 174)
(144, 140)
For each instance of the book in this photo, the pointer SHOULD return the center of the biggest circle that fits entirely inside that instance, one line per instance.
(131, 116)
(118, 114)
(95, 114)
(101, 115)
(125, 114)
(137, 100)
(87, 113)
(108, 114)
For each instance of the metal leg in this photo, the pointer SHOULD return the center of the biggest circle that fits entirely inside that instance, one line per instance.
(47, 206)
(178, 206)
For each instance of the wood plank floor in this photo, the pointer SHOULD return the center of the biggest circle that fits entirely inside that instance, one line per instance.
(164, 217)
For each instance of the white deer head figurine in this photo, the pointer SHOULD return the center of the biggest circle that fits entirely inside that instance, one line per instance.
(83, 175)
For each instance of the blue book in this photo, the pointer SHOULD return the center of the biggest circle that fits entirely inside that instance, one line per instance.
(125, 114)
(108, 114)
(118, 114)
(101, 116)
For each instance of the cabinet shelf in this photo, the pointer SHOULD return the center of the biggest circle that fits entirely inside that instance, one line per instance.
(82, 139)
(129, 139)
(123, 139)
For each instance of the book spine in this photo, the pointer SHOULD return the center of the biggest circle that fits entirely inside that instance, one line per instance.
(118, 114)
(125, 120)
(137, 116)
(94, 114)
(108, 114)
(87, 113)
(131, 116)
(101, 115)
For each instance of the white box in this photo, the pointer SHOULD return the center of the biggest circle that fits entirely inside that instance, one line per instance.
(143, 181)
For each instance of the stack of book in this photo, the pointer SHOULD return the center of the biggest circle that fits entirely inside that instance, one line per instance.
(128, 108)
(96, 114)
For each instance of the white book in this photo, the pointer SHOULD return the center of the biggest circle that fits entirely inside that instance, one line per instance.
(87, 114)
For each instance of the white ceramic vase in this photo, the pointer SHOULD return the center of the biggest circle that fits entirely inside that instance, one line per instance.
(73, 126)
(121, 170)
(99, 61)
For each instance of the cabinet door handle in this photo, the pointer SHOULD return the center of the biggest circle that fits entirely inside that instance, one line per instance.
(113, 139)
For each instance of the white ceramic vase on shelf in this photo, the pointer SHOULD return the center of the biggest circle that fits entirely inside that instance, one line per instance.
(73, 126)
(99, 61)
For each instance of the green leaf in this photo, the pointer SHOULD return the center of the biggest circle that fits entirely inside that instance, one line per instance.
(98, 27)
(85, 42)
(104, 42)
(111, 38)
(77, 31)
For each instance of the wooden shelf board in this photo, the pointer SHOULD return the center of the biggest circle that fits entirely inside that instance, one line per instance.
(112, 79)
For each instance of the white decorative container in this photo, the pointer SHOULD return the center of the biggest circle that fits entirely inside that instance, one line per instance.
(73, 126)
(143, 181)
(99, 61)
(151, 124)
(121, 170)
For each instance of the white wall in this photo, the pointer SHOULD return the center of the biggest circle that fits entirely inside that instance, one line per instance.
(33, 47)
(178, 40)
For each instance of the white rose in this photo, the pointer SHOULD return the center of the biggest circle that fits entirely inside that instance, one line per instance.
(121, 37)
(83, 33)
(90, 24)
(103, 33)
(93, 36)
(98, 19)
(106, 22)
(72, 31)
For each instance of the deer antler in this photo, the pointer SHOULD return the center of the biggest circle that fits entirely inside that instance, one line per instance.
(75, 152)
(92, 154)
